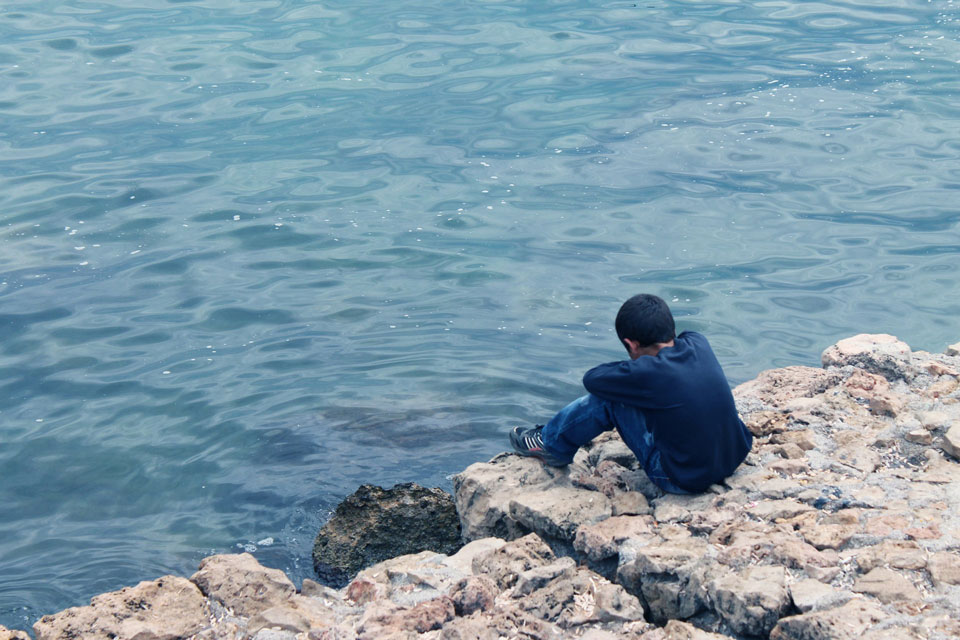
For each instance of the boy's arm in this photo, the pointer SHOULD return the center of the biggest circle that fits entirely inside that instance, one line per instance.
(614, 381)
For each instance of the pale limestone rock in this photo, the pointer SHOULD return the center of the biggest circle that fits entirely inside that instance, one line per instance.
(775, 387)
(298, 614)
(887, 586)
(504, 565)
(951, 441)
(474, 593)
(679, 630)
(603, 540)
(629, 503)
(556, 512)
(877, 353)
(803, 438)
(897, 554)
(857, 457)
(790, 451)
(919, 436)
(669, 577)
(772, 510)
(411, 579)
(932, 420)
(242, 584)
(497, 624)
(944, 567)
(385, 619)
(813, 595)
(578, 599)
(313, 589)
(462, 560)
(847, 622)
(169, 608)
(953, 349)
(778, 488)
(362, 591)
(12, 634)
(875, 390)
(538, 577)
(610, 448)
(483, 492)
(828, 536)
(751, 602)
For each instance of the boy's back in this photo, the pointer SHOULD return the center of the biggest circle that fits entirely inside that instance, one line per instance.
(670, 402)
(688, 406)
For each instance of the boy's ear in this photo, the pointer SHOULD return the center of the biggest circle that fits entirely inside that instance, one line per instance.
(632, 346)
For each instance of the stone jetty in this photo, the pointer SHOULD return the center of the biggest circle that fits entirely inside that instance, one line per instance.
(842, 524)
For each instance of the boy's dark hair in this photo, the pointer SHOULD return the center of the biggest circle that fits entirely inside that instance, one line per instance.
(647, 319)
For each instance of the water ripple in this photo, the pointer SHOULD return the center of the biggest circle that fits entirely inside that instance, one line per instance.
(254, 254)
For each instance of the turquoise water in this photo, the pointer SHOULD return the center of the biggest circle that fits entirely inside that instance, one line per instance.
(254, 253)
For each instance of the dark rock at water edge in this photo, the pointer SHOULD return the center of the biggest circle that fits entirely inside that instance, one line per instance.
(375, 524)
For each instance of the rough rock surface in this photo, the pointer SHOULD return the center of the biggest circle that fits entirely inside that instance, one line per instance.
(7, 634)
(844, 520)
(374, 524)
(843, 524)
(165, 609)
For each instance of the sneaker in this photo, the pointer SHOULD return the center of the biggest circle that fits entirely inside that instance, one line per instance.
(529, 442)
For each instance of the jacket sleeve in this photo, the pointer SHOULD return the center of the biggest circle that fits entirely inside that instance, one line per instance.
(613, 381)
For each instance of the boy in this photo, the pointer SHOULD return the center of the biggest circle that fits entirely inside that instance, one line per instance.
(671, 404)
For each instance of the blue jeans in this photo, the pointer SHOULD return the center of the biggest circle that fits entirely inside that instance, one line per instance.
(588, 416)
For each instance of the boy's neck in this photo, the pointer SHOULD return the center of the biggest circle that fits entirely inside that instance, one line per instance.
(635, 350)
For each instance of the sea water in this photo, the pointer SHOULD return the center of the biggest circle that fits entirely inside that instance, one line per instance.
(255, 253)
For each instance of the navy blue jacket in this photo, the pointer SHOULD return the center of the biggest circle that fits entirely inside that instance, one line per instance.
(688, 407)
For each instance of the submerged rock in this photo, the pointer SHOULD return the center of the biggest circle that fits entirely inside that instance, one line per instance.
(374, 524)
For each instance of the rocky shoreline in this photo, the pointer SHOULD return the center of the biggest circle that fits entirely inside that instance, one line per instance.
(843, 523)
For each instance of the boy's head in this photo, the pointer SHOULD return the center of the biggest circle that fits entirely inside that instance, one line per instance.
(646, 319)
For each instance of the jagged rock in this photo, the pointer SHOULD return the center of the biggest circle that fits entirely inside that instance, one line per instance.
(953, 349)
(577, 598)
(497, 624)
(847, 622)
(557, 512)
(374, 524)
(677, 630)
(773, 510)
(313, 589)
(875, 390)
(539, 577)
(504, 565)
(897, 554)
(474, 593)
(876, 353)
(298, 614)
(483, 492)
(12, 634)
(242, 584)
(381, 622)
(410, 579)
(751, 602)
(919, 436)
(668, 577)
(774, 388)
(944, 568)
(813, 595)
(887, 586)
(951, 441)
(829, 536)
(602, 540)
(166, 609)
